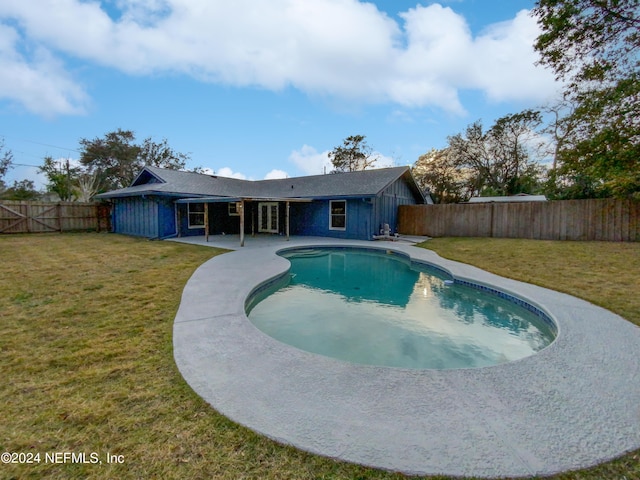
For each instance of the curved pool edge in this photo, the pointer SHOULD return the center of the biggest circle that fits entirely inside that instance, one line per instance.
(569, 406)
(505, 294)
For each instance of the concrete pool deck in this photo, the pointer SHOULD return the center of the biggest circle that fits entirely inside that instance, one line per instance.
(572, 405)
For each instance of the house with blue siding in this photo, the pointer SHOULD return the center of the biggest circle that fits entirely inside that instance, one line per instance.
(163, 203)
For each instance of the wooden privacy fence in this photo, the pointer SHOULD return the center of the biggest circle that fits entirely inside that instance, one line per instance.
(597, 219)
(39, 217)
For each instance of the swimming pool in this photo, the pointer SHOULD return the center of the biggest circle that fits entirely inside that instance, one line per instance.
(569, 406)
(376, 307)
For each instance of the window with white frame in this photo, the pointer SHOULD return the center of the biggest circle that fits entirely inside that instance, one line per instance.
(196, 215)
(234, 211)
(338, 215)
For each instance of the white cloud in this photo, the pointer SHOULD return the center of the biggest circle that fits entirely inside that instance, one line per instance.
(382, 161)
(40, 82)
(275, 174)
(19, 173)
(442, 58)
(310, 161)
(431, 67)
(227, 172)
(339, 48)
(503, 59)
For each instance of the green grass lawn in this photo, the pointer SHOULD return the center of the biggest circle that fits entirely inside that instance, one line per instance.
(604, 273)
(87, 365)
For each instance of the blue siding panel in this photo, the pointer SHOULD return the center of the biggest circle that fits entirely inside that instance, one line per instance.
(166, 218)
(136, 216)
(313, 219)
(387, 203)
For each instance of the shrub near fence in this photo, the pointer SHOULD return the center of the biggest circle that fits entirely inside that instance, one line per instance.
(40, 217)
(597, 219)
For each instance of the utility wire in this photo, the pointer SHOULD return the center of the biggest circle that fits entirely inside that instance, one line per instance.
(40, 143)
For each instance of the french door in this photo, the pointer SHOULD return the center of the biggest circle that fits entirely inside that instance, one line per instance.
(268, 217)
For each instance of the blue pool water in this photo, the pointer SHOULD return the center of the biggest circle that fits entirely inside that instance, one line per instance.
(374, 308)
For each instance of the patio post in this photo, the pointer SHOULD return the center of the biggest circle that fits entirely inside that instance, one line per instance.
(287, 220)
(206, 222)
(178, 220)
(253, 220)
(242, 222)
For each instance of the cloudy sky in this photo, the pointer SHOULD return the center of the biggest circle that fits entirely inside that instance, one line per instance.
(261, 88)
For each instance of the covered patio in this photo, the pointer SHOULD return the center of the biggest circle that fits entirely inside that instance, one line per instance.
(264, 217)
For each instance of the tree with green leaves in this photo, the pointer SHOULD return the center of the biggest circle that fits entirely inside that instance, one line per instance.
(353, 155)
(161, 155)
(437, 172)
(116, 159)
(515, 148)
(600, 151)
(6, 158)
(503, 159)
(589, 40)
(21, 190)
(594, 46)
(62, 177)
(604, 144)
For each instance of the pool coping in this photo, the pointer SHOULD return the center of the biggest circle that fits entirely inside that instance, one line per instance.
(572, 405)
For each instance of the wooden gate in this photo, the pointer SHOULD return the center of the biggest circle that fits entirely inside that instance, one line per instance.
(29, 217)
(42, 217)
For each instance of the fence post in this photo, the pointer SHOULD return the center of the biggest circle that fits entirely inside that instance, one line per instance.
(28, 219)
(493, 209)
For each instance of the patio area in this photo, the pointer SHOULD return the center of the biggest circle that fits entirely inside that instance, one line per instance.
(232, 242)
(570, 406)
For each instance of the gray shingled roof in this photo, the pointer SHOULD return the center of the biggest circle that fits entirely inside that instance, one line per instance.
(188, 184)
(180, 184)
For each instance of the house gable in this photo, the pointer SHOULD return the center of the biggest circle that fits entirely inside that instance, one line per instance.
(146, 176)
